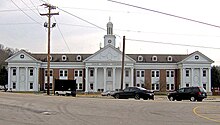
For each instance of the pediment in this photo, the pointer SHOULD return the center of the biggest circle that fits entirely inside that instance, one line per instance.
(197, 57)
(108, 54)
(21, 56)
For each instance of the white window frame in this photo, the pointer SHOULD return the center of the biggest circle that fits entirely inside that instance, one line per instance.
(64, 58)
(140, 58)
(169, 58)
(154, 58)
(78, 58)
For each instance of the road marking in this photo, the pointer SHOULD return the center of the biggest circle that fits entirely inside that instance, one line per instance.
(194, 111)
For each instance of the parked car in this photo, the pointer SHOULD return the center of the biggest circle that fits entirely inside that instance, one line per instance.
(188, 93)
(134, 92)
(107, 93)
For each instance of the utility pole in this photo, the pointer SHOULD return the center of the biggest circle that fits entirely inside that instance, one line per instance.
(49, 14)
(123, 62)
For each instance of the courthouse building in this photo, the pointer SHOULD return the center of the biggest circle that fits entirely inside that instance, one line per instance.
(101, 71)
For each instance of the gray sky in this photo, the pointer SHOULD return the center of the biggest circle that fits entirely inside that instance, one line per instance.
(17, 30)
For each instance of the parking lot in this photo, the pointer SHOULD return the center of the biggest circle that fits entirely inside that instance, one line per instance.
(37, 109)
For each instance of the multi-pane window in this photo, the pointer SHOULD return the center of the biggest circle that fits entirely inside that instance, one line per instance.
(31, 86)
(51, 85)
(170, 73)
(187, 84)
(78, 73)
(80, 86)
(109, 73)
(170, 86)
(155, 87)
(126, 73)
(31, 72)
(138, 73)
(204, 73)
(14, 85)
(187, 73)
(204, 86)
(126, 85)
(14, 72)
(142, 73)
(51, 72)
(142, 85)
(155, 73)
(91, 86)
(91, 72)
(63, 73)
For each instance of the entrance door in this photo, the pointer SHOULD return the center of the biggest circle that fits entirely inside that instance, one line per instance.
(109, 86)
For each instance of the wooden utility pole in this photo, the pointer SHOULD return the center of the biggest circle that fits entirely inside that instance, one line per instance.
(49, 14)
(122, 63)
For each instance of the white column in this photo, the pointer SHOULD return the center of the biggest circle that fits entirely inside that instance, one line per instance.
(132, 77)
(96, 80)
(26, 79)
(192, 75)
(9, 78)
(183, 77)
(114, 76)
(35, 75)
(105, 79)
(87, 80)
(208, 89)
(17, 79)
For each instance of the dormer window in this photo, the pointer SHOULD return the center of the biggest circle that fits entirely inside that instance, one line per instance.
(169, 58)
(22, 56)
(64, 58)
(78, 58)
(51, 58)
(154, 58)
(196, 57)
(140, 58)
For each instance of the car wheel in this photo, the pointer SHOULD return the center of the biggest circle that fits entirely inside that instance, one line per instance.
(192, 99)
(117, 96)
(145, 98)
(171, 98)
(108, 94)
(57, 94)
(137, 96)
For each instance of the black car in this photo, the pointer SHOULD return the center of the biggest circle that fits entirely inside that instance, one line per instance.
(188, 93)
(134, 92)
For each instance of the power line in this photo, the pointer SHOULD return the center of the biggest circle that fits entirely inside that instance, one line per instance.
(24, 12)
(172, 15)
(62, 35)
(172, 44)
(85, 20)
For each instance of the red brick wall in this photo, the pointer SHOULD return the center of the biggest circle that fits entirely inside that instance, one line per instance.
(163, 80)
(148, 79)
(41, 78)
(177, 78)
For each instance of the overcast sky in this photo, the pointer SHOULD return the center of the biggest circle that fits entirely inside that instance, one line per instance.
(24, 29)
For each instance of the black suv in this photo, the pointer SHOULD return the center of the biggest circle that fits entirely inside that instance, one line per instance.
(134, 92)
(188, 93)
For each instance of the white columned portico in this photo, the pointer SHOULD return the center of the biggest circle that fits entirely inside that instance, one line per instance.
(114, 76)
(17, 78)
(9, 78)
(105, 79)
(26, 79)
(87, 79)
(96, 79)
(209, 80)
(132, 77)
(192, 76)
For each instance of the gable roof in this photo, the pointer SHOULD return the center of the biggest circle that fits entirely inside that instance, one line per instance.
(31, 59)
(204, 59)
(108, 53)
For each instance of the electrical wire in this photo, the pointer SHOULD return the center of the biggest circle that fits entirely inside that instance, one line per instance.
(24, 12)
(62, 35)
(172, 15)
(172, 44)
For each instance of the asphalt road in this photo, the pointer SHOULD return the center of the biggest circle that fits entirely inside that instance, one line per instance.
(30, 109)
